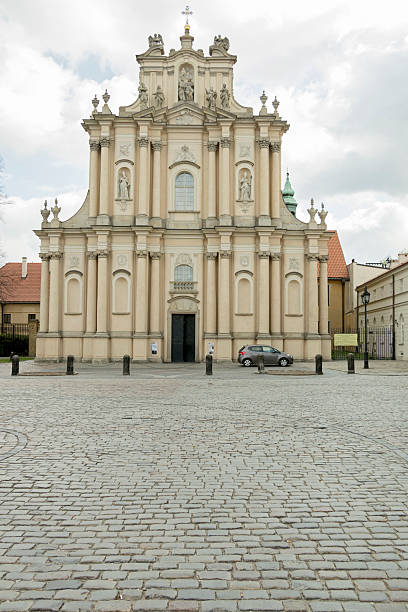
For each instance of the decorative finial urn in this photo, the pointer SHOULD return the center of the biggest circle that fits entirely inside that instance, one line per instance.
(45, 212)
(322, 214)
(275, 105)
(263, 99)
(312, 212)
(56, 210)
(95, 103)
(106, 96)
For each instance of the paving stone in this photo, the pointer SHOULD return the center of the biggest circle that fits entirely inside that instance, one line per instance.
(259, 604)
(46, 605)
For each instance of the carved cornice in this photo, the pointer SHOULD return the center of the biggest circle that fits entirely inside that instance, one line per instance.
(211, 256)
(323, 258)
(56, 255)
(226, 142)
(263, 254)
(155, 254)
(226, 254)
(276, 147)
(143, 141)
(94, 145)
(263, 143)
(103, 253)
(157, 146)
(212, 146)
(105, 141)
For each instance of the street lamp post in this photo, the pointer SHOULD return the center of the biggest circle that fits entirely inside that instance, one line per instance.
(365, 298)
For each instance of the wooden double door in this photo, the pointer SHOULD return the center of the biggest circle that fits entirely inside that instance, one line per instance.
(183, 337)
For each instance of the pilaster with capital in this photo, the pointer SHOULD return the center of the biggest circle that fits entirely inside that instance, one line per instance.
(264, 211)
(211, 294)
(55, 292)
(212, 149)
(143, 203)
(44, 295)
(323, 296)
(156, 146)
(91, 292)
(276, 179)
(102, 309)
(105, 143)
(313, 301)
(224, 178)
(276, 295)
(94, 149)
(155, 296)
(224, 280)
(263, 292)
(141, 291)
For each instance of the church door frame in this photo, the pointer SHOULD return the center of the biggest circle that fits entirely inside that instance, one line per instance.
(185, 305)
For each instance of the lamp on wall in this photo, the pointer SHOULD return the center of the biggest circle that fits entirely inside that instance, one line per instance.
(365, 298)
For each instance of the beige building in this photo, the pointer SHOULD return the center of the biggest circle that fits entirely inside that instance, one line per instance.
(184, 238)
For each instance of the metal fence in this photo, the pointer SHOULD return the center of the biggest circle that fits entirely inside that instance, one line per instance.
(13, 339)
(380, 343)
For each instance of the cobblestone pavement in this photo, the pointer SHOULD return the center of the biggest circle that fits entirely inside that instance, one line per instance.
(169, 490)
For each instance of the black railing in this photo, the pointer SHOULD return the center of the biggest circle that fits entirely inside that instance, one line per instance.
(380, 342)
(13, 339)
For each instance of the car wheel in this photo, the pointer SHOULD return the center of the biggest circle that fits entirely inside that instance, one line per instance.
(283, 362)
(246, 363)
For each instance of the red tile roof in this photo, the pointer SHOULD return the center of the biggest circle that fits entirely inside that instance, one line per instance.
(336, 266)
(19, 289)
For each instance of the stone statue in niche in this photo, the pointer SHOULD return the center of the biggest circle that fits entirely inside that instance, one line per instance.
(211, 97)
(124, 187)
(155, 41)
(158, 97)
(225, 97)
(221, 42)
(143, 96)
(245, 187)
(186, 85)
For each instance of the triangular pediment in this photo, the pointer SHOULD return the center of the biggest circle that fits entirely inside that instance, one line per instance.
(185, 113)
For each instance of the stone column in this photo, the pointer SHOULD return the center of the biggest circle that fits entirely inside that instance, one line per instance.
(263, 294)
(141, 293)
(156, 182)
(211, 295)
(44, 297)
(55, 292)
(276, 181)
(93, 177)
(312, 293)
(264, 211)
(91, 293)
(224, 324)
(143, 204)
(323, 296)
(225, 213)
(102, 304)
(154, 293)
(104, 180)
(212, 191)
(276, 296)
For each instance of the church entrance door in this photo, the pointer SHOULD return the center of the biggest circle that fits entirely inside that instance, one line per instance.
(182, 337)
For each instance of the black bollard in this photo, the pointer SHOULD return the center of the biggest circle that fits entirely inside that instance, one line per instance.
(350, 364)
(208, 365)
(15, 365)
(261, 364)
(319, 364)
(70, 365)
(126, 365)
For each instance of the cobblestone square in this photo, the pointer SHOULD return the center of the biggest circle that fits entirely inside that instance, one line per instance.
(170, 490)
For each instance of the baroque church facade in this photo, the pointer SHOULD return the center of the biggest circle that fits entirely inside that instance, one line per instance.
(185, 240)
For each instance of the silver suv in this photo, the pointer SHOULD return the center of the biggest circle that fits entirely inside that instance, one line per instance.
(248, 356)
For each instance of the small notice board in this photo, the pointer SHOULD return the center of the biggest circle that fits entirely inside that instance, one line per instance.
(345, 340)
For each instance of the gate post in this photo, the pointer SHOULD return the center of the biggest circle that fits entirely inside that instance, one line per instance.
(261, 364)
(350, 364)
(319, 364)
(70, 365)
(208, 365)
(126, 365)
(15, 365)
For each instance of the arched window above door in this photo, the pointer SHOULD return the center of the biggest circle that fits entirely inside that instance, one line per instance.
(183, 273)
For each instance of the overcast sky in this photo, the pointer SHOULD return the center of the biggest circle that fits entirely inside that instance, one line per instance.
(338, 67)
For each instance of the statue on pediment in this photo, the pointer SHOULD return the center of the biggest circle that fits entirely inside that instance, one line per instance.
(158, 97)
(221, 42)
(211, 97)
(225, 97)
(143, 96)
(186, 85)
(155, 41)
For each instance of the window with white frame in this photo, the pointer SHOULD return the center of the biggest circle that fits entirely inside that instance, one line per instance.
(184, 199)
(183, 273)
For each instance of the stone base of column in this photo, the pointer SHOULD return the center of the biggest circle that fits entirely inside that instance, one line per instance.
(264, 220)
(223, 347)
(313, 347)
(141, 220)
(49, 347)
(294, 346)
(139, 350)
(326, 350)
(103, 220)
(211, 222)
(225, 220)
(101, 348)
(87, 347)
(156, 222)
